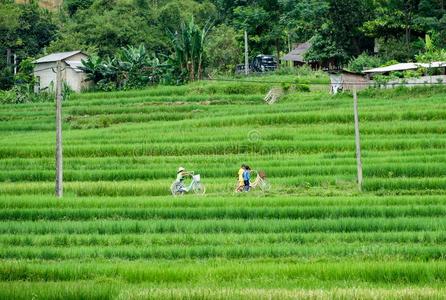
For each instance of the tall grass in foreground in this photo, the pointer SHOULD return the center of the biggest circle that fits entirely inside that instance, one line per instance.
(111, 290)
(119, 234)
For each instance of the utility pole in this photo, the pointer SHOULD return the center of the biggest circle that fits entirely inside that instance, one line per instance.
(357, 139)
(59, 164)
(246, 54)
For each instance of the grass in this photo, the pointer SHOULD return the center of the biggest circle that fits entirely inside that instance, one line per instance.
(118, 234)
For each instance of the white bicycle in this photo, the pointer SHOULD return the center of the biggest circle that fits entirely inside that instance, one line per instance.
(259, 182)
(178, 188)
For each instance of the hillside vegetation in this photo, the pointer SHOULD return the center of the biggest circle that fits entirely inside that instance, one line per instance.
(118, 233)
(48, 4)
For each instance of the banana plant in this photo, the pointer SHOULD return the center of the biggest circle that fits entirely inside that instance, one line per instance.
(189, 48)
(93, 68)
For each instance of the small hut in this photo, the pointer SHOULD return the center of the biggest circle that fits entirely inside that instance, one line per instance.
(73, 76)
(296, 56)
(345, 80)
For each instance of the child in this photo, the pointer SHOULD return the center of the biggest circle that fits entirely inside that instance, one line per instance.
(241, 182)
(246, 177)
(181, 174)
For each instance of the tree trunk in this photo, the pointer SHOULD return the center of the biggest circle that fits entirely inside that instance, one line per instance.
(190, 67)
(200, 71)
(407, 34)
(290, 63)
(408, 13)
(246, 54)
(278, 52)
(8, 57)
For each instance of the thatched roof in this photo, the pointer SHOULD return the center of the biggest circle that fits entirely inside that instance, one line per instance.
(297, 54)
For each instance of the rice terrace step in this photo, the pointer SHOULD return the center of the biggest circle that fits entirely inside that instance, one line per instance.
(118, 233)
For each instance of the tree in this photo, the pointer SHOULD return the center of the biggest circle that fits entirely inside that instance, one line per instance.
(223, 51)
(393, 19)
(106, 26)
(303, 18)
(25, 30)
(325, 49)
(431, 53)
(252, 19)
(73, 6)
(339, 37)
(174, 13)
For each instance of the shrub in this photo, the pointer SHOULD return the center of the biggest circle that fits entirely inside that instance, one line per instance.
(21, 94)
(364, 62)
(411, 74)
(302, 88)
(303, 71)
(223, 51)
(286, 86)
(7, 97)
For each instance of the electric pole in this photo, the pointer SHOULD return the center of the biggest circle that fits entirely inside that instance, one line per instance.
(357, 139)
(246, 54)
(59, 164)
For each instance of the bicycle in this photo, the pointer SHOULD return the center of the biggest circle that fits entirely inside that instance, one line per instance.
(260, 182)
(177, 188)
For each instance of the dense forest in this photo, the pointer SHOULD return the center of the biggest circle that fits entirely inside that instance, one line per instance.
(338, 30)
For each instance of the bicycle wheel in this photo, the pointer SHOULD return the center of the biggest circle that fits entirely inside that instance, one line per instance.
(175, 188)
(264, 185)
(199, 189)
(238, 187)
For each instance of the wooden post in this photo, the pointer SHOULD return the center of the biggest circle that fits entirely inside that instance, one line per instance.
(246, 54)
(59, 164)
(357, 139)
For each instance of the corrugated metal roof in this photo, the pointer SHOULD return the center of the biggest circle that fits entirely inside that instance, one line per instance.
(56, 56)
(297, 54)
(406, 66)
(74, 64)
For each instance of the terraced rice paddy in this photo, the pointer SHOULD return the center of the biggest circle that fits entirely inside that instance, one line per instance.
(118, 234)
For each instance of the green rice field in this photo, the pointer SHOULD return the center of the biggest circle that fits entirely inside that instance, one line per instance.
(118, 233)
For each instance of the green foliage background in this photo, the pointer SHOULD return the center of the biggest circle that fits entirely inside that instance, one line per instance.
(339, 30)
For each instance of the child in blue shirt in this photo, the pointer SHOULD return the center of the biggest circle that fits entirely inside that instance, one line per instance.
(246, 177)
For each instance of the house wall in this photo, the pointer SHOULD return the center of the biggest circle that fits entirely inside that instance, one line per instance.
(46, 75)
(350, 81)
(73, 79)
(347, 82)
(410, 82)
(76, 80)
(85, 83)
